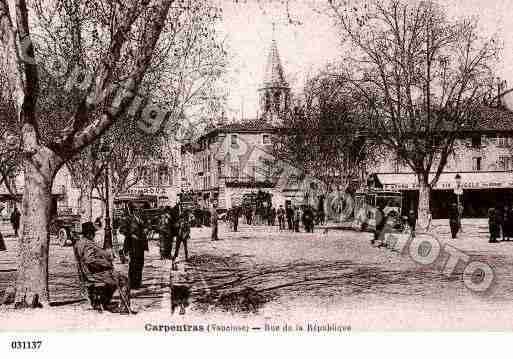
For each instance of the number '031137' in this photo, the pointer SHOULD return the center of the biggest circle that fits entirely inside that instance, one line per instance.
(26, 344)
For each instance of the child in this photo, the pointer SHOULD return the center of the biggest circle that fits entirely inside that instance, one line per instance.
(492, 225)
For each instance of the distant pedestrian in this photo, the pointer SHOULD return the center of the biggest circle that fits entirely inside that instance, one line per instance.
(308, 219)
(290, 217)
(412, 222)
(249, 216)
(2, 243)
(492, 225)
(380, 224)
(15, 220)
(214, 222)
(273, 216)
(454, 219)
(499, 219)
(507, 224)
(298, 215)
(183, 236)
(281, 217)
(235, 213)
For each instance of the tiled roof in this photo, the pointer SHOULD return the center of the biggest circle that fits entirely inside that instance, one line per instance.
(254, 125)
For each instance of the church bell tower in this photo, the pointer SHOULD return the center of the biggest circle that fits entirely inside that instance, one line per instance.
(275, 91)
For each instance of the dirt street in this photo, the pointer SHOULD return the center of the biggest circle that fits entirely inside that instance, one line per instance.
(261, 272)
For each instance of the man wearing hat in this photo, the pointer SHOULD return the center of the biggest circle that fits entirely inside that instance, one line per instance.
(136, 243)
(169, 227)
(95, 266)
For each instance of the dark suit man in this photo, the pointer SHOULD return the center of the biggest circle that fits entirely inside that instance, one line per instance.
(135, 245)
(15, 220)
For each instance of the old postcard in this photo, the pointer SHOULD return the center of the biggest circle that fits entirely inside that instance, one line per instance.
(278, 167)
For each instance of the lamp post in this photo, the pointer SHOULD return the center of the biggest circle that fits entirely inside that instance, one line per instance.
(458, 191)
(107, 241)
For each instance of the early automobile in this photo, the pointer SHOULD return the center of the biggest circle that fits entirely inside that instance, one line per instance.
(65, 225)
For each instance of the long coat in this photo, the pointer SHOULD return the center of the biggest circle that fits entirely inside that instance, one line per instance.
(15, 219)
(95, 264)
(135, 237)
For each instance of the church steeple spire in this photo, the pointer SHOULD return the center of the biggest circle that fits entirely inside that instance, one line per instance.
(275, 91)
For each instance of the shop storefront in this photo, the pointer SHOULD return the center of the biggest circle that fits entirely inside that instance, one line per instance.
(481, 190)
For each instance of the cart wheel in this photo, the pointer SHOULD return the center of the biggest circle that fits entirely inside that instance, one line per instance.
(62, 236)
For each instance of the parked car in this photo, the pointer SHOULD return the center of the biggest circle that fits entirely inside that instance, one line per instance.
(65, 225)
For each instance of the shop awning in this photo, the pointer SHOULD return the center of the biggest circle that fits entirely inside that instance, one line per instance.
(469, 180)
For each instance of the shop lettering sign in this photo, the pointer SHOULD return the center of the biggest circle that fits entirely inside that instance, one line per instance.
(450, 186)
(146, 191)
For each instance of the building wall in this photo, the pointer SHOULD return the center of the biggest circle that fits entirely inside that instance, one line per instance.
(495, 152)
(230, 156)
(485, 186)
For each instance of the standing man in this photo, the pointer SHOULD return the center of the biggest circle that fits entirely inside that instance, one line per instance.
(168, 231)
(15, 220)
(380, 224)
(290, 217)
(184, 234)
(2, 243)
(135, 245)
(214, 221)
(454, 219)
(273, 216)
(308, 219)
(492, 225)
(235, 218)
(281, 217)
(298, 215)
(412, 221)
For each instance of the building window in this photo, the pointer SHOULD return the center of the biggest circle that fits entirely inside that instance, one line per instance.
(476, 163)
(266, 139)
(209, 163)
(476, 141)
(502, 141)
(234, 140)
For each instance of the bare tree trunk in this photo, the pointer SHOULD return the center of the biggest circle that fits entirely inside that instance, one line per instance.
(32, 275)
(424, 212)
(86, 202)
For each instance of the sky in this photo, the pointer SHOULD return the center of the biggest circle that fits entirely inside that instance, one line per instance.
(307, 47)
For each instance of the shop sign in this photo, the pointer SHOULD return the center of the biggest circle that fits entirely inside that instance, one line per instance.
(450, 186)
(146, 191)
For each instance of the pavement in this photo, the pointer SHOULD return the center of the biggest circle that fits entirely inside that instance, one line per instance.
(335, 276)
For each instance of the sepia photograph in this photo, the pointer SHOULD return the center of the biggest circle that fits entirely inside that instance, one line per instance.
(306, 167)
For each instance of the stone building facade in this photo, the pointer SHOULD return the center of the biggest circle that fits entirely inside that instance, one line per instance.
(483, 158)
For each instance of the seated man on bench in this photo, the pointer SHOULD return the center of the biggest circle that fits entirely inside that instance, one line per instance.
(97, 272)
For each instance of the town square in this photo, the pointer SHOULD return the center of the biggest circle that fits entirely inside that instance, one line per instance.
(334, 165)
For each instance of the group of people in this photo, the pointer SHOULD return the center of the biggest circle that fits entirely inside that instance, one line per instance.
(96, 263)
(500, 224)
(288, 218)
